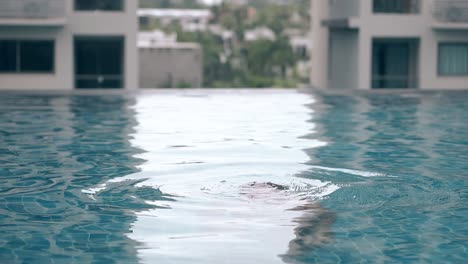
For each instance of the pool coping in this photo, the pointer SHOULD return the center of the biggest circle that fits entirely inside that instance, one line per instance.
(132, 92)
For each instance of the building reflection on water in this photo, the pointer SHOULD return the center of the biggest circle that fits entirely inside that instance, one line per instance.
(73, 177)
(391, 155)
(72, 187)
(52, 148)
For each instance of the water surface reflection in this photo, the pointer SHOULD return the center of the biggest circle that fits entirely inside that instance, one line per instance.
(233, 177)
(223, 155)
(52, 148)
(400, 160)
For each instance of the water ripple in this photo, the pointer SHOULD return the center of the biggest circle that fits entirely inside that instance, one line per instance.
(231, 176)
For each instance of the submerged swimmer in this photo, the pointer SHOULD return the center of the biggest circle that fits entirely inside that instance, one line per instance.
(314, 229)
(314, 226)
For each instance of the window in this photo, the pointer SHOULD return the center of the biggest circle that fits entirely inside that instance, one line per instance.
(390, 64)
(102, 5)
(99, 62)
(27, 56)
(396, 6)
(36, 56)
(453, 59)
(8, 58)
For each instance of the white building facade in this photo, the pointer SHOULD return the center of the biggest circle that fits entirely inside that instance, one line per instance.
(191, 20)
(259, 33)
(371, 44)
(68, 44)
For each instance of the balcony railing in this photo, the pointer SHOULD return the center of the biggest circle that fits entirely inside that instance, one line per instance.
(339, 9)
(32, 9)
(451, 11)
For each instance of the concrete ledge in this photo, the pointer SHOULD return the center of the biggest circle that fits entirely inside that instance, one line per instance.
(36, 22)
(449, 26)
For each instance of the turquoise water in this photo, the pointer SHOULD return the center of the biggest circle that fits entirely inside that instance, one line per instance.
(250, 176)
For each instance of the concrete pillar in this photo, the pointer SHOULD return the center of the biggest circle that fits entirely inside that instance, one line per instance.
(365, 46)
(364, 60)
(320, 35)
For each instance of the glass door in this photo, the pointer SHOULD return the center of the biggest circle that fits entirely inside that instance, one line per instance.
(99, 62)
(390, 64)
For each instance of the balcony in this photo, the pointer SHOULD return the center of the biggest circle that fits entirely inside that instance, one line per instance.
(342, 13)
(32, 12)
(450, 14)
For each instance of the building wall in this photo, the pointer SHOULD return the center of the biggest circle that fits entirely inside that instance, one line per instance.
(171, 67)
(77, 23)
(372, 26)
(112, 24)
(343, 73)
(344, 8)
(60, 79)
(430, 78)
(320, 36)
(369, 26)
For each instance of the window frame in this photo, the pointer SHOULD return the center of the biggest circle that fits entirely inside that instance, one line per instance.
(439, 56)
(122, 10)
(18, 69)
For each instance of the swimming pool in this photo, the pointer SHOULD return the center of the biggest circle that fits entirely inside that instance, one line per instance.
(244, 176)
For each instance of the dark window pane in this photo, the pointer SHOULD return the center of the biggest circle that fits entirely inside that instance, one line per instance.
(8, 54)
(111, 84)
(110, 57)
(86, 54)
(390, 65)
(87, 83)
(113, 5)
(396, 6)
(85, 5)
(36, 56)
(99, 62)
(104, 5)
(453, 59)
(99, 56)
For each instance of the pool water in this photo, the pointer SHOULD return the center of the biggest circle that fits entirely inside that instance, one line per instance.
(241, 176)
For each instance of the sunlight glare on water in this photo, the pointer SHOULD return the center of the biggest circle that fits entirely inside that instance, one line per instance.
(205, 150)
(234, 176)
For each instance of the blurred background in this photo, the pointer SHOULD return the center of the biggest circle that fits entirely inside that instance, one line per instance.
(255, 43)
(344, 44)
(211, 175)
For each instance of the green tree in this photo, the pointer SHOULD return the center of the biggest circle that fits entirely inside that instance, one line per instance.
(213, 68)
(264, 56)
(262, 63)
